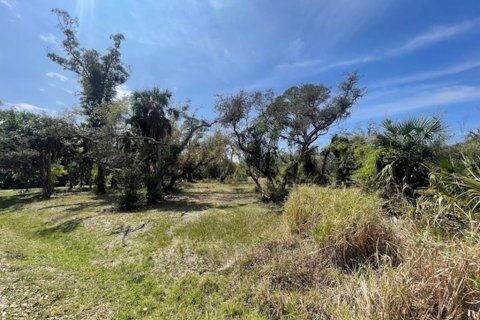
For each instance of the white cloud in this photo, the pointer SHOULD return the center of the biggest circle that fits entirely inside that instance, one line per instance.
(429, 74)
(436, 35)
(349, 62)
(300, 64)
(7, 3)
(57, 76)
(59, 103)
(123, 91)
(12, 6)
(49, 38)
(22, 106)
(411, 101)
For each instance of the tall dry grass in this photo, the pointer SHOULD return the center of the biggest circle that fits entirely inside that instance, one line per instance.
(347, 225)
(340, 257)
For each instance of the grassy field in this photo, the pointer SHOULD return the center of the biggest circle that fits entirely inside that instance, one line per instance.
(73, 257)
(213, 251)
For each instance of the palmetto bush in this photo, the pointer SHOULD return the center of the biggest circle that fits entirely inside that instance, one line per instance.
(454, 193)
(406, 148)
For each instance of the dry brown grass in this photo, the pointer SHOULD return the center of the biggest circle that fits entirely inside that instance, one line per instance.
(289, 264)
(436, 280)
(362, 266)
(348, 225)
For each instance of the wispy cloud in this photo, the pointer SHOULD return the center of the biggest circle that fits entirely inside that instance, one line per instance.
(12, 6)
(49, 38)
(417, 77)
(349, 62)
(300, 64)
(220, 4)
(7, 4)
(57, 76)
(436, 97)
(22, 106)
(435, 35)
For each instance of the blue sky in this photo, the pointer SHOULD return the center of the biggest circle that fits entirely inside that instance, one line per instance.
(415, 57)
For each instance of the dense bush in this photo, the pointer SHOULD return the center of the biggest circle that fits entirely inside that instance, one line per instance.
(453, 198)
(406, 149)
(131, 182)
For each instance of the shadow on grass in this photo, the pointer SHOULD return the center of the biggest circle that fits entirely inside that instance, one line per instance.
(79, 207)
(232, 205)
(64, 227)
(167, 205)
(18, 201)
(183, 205)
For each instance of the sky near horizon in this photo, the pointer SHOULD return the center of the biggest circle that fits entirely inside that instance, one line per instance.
(415, 57)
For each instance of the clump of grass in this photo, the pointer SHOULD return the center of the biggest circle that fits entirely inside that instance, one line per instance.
(281, 304)
(288, 264)
(347, 224)
(443, 275)
(435, 281)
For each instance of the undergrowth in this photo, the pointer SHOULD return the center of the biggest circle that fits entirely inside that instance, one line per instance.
(332, 254)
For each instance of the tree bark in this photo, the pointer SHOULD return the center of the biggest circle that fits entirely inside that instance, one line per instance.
(158, 173)
(81, 180)
(47, 175)
(70, 183)
(101, 189)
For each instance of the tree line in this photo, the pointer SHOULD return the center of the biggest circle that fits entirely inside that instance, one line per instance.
(146, 142)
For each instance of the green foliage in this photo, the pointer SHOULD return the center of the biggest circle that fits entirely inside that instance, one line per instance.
(453, 198)
(261, 123)
(407, 147)
(150, 112)
(366, 175)
(58, 171)
(99, 75)
(131, 182)
(30, 144)
(153, 193)
(168, 144)
(273, 193)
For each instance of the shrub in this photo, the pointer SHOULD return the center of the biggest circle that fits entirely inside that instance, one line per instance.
(406, 149)
(454, 193)
(366, 175)
(130, 181)
(153, 194)
(347, 225)
(274, 194)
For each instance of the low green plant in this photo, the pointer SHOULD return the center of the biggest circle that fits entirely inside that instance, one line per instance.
(453, 198)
